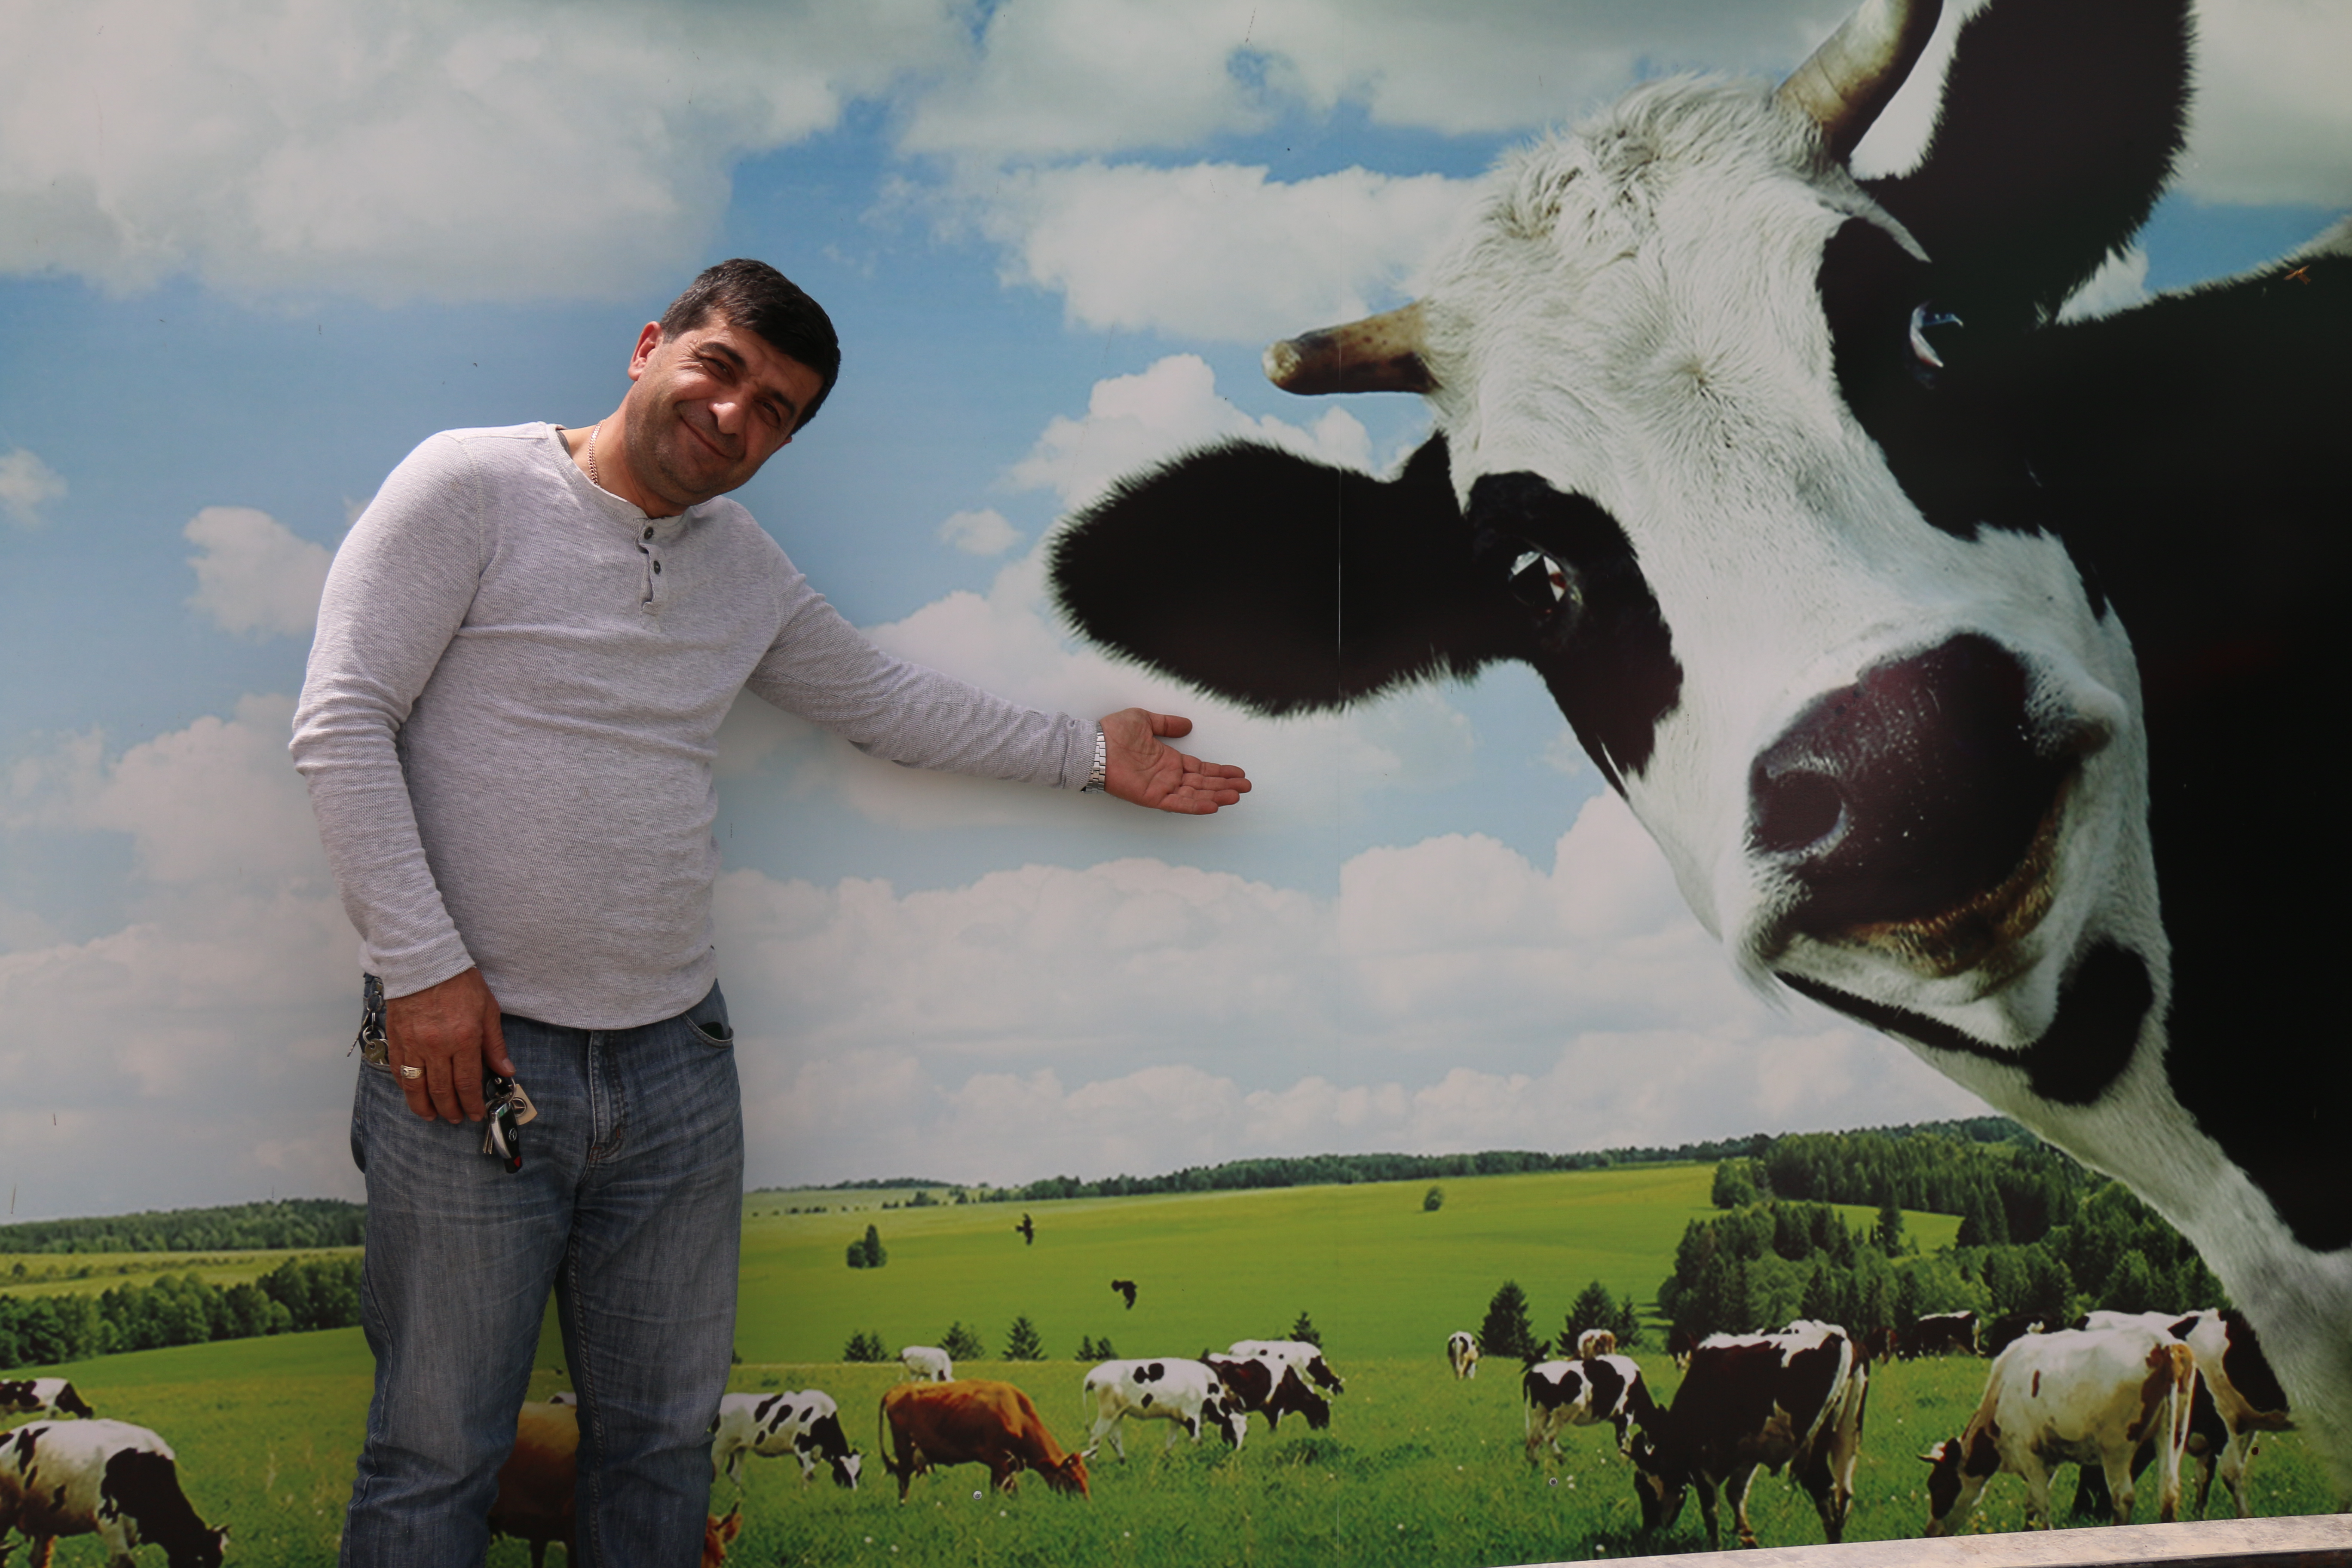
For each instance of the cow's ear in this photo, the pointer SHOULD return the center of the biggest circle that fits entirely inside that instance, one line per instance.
(2060, 122)
(1281, 583)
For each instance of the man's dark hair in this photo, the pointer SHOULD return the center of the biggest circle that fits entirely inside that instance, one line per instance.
(755, 296)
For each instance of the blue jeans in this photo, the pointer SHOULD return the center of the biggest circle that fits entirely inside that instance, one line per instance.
(629, 1206)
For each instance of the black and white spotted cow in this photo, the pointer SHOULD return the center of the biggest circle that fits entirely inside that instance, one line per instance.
(1959, 658)
(1303, 1355)
(805, 1424)
(40, 1396)
(1188, 1392)
(1462, 1353)
(1585, 1391)
(1271, 1389)
(107, 1478)
(1751, 1401)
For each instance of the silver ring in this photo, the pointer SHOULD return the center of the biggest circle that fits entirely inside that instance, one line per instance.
(411, 1072)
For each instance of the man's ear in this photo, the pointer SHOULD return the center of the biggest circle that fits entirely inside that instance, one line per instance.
(647, 342)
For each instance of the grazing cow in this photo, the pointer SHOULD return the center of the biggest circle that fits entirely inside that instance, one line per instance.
(1680, 1342)
(2078, 1396)
(1271, 1389)
(1304, 1355)
(1595, 1341)
(109, 1479)
(1939, 1332)
(1560, 1394)
(538, 1484)
(1895, 606)
(2237, 1397)
(718, 1534)
(1880, 1345)
(975, 1422)
(1794, 1399)
(1462, 1353)
(926, 1363)
(806, 1425)
(1189, 1393)
(40, 1396)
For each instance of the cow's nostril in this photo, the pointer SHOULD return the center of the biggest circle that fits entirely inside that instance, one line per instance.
(1795, 811)
(1913, 795)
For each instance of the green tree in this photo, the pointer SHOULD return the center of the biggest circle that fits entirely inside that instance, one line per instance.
(1734, 1184)
(962, 1343)
(1595, 1307)
(1506, 1330)
(1432, 1200)
(1888, 1232)
(1021, 1342)
(865, 1346)
(1093, 1349)
(1306, 1331)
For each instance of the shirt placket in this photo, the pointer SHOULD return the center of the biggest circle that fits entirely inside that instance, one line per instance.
(651, 549)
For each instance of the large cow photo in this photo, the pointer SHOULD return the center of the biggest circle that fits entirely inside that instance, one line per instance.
(1966, 663)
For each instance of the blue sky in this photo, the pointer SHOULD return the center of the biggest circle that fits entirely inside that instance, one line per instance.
(248, 262)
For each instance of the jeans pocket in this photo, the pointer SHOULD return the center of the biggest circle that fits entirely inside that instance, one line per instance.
(707, 1019)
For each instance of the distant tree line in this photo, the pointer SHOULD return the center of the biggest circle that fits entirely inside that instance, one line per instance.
(300, 1294)
(1345, 1170)
(284, 1225)
(2038, 1234)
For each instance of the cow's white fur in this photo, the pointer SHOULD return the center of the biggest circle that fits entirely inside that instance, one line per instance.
(740, 1431)
(1634, 316)
(1184, 1392)
(926, 1363)
(2076, 1396)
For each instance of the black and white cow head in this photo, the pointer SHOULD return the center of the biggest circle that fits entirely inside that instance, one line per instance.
(1710, 459)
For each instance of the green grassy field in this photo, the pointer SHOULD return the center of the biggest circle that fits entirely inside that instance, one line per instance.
(36, 1274)
(1417, 1470)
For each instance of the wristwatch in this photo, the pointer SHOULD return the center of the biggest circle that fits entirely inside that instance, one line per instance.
(1098, 776)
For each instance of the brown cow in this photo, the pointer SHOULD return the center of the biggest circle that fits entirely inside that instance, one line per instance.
(536, 1485)
(971, 1422)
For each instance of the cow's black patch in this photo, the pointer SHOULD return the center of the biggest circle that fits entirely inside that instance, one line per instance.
(145, 1486)
(2086, 1046)
(1613, 672)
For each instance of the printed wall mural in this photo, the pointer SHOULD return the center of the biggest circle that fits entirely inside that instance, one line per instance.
(1759, 651)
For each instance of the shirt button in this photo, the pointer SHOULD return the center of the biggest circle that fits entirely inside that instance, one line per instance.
(649, 533)
(656, 568)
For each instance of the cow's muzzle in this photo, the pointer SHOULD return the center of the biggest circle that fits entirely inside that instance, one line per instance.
(1916, 812)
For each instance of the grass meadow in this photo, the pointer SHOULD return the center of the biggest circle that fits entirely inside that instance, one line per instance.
(1416, 1469)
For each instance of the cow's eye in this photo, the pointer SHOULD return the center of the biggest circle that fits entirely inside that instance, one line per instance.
(1933, 331)
(1540, 583)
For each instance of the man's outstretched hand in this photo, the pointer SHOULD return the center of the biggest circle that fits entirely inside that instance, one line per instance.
(1147, 771)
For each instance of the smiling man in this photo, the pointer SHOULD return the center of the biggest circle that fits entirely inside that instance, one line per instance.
(524, 652)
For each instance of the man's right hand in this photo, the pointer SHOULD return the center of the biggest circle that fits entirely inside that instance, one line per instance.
(449, 1030)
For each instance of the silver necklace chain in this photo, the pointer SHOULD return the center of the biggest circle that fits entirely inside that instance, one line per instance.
(592, 454)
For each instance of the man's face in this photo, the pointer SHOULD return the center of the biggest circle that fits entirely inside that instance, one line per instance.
(711, 405)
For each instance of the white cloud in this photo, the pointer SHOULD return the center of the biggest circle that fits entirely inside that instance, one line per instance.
(1070, 78)
(435, 149)
(195, 1055)
(1137, 1016)
(2271, 119)
(1216, 250)
(1132, 421)
(255, 576)
(27, 485)
(983, 532)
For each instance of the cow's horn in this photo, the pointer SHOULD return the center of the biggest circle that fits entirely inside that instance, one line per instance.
(1850, 78)
(1379, 353)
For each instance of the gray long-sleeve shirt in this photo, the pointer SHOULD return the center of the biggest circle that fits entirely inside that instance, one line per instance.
(510, 716)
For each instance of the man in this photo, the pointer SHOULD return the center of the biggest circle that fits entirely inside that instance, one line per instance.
(524, 651)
